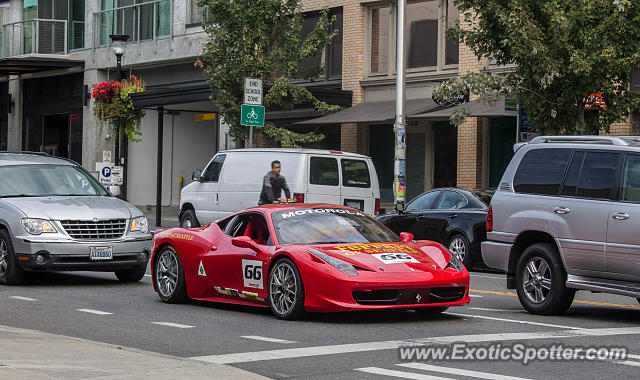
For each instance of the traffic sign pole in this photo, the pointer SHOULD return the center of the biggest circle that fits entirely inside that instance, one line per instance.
(252, 111)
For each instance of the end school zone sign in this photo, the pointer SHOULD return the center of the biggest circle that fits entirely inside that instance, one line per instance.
(253, 91)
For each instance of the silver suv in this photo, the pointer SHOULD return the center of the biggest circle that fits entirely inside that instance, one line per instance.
(566, 217)
(56, 216)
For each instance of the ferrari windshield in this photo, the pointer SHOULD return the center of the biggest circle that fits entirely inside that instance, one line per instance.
(46, 180)
(329, 226)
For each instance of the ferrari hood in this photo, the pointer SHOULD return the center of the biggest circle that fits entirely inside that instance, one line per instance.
(391, 257)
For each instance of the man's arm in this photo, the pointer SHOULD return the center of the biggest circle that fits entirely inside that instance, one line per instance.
(266, 187)
(285, 187)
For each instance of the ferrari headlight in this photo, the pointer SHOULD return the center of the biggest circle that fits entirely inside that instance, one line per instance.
(38, 226)
(140, 224)
(455, 263)
(340, 265)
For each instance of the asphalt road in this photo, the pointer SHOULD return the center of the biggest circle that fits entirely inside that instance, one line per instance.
(96, 306)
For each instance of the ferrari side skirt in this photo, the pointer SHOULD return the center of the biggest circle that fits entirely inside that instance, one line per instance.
(236, 293)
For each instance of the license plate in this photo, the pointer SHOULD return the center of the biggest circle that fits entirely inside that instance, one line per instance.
(101, 253)
(354, 203)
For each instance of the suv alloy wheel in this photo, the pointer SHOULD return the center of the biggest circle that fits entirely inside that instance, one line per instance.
(540, 281)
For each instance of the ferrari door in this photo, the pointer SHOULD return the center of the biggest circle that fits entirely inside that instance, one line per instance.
(240, 271)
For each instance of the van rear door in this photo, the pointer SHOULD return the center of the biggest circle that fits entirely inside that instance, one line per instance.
(324, 180)
(356, 189)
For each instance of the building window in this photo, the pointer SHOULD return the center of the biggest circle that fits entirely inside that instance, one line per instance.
(380, 35)
(198, 15)
(331, 57)
(426, 45)
(135, 18)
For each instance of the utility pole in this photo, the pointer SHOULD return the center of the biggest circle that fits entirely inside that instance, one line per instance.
(400, 126)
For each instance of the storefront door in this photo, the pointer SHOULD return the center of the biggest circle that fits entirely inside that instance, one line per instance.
(55, 134)
(381, 145)
(502, 136)
(445, 154)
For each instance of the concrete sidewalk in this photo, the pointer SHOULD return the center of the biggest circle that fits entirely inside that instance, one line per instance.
(34, 355)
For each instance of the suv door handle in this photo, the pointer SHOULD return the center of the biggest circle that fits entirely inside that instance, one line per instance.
(620, 216)
(561, 210)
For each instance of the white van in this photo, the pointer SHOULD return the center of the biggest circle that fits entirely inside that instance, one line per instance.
(232, 181)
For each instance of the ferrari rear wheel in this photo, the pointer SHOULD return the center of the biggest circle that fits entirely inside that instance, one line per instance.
(286, 292)
(169, 276)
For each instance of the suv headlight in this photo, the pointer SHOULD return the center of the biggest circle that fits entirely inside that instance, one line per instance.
(140, 224)
(340, 265)
(454, 263)
(38, 226)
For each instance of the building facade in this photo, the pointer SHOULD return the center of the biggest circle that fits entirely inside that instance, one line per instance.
(53, 51)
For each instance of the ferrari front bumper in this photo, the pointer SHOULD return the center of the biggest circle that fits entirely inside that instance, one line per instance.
(384, 290)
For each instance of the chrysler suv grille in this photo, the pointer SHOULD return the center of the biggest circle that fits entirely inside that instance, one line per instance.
(88, 229)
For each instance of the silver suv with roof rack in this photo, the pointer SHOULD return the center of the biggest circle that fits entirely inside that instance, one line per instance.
(566, 217)
(56, 216)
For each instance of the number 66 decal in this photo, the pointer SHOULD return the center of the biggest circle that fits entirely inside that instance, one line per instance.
(252, 273)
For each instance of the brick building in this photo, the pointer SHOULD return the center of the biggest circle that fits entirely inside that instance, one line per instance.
(474, 155)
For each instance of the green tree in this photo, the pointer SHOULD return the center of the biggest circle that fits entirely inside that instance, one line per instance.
(263, 39)
(563, 51)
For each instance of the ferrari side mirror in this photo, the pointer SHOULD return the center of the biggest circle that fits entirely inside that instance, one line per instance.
(406, 236)
(246, 242)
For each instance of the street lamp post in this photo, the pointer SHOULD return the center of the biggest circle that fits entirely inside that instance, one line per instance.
(400, 126)
(118, 41)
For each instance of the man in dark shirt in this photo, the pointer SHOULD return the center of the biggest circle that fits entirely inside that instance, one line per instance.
(273, 184)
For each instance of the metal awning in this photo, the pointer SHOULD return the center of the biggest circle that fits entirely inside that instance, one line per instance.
(373, 112)
(16, 66)
(476, 108)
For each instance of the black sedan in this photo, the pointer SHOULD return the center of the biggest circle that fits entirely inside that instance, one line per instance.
(454, 217)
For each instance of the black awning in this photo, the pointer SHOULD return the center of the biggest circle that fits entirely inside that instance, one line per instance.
(476, 108)
(16, 66)
(178, 94)
(373, 112)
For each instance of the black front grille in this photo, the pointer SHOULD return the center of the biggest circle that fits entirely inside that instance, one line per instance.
(90, 230)
(409, 296)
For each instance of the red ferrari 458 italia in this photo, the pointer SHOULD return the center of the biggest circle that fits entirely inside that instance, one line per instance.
(306, 258)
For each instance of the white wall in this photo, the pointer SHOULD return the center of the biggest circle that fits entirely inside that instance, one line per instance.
(188, 145)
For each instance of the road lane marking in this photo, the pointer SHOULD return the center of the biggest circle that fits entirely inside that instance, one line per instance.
(91, 311)
(511, 294)
(490, 309)
(267, 339)
(461, 372)
(170, 324)
(513, 321)
(475, 296)
(401, 374)
(486, 276)
(147, 275)
(301, 352)
(23, 298)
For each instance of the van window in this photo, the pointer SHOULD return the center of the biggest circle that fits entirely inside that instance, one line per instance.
(212, 173)
(597, 175)
(324, 171)
(631, 179)
(541, 171)
(355, 173)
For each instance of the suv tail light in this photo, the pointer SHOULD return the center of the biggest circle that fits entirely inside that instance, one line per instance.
(490, 219)
(299, 197)
(377, 206)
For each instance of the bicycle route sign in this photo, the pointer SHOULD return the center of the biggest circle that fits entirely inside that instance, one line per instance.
(252, 115)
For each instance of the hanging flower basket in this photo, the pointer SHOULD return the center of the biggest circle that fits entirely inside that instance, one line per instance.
(114, 108)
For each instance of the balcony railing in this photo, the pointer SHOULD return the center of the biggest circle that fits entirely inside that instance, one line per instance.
(143, 21)
(36, 36)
